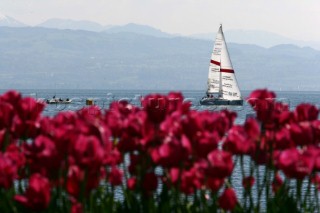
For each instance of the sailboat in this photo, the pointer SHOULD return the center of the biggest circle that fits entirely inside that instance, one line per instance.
(222, 87)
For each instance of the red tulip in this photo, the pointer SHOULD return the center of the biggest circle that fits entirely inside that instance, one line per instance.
(215, 183)
(156, 106)
(252, 128)
(29, 109)
(2, 137)
(238, 142)
(42, 154)
(174, 175)
(283, 139)
(172, 125)
(306, 112)
(317, 161)
(280, 116)
(134, 123)
(77, 208)
(206, 143)
(175, 101)
(37, 195)
(115, 122)
(127, 143)
(88, 152)
(115, 176)
(8, 171)
(295, 163)
(172, 152)
(74, 178)
(262, 102)
(260, 94)
(26, 122)
(112, 157)
(277, 183)
(228, 200)
(302, 133)
(316, 181)
(248, 182)
(12, 97)
(131, 183)
(6, 115)
(221, 164)
(190, 181)
(14, 153)
(316, 130)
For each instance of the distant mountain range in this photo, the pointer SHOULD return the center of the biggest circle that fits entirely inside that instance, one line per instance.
(37, 57)
(257, 37)
(260, 38)
(92, 26)
(73, 25)
(139, 29)
(10, 22)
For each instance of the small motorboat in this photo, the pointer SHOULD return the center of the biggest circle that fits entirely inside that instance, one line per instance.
(58, 101)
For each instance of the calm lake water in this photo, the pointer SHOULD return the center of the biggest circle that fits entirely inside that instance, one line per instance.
(103, 98)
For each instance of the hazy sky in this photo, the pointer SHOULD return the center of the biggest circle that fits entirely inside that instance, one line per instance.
(297, 19)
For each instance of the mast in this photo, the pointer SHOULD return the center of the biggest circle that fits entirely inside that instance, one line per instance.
(220, 79)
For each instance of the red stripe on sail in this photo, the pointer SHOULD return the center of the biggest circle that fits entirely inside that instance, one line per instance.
(227, 70)
(215, 62)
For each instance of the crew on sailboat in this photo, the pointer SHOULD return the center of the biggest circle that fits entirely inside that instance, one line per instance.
(209, 96)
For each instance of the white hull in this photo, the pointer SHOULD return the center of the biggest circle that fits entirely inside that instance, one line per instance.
(220, 102)
(57, 101)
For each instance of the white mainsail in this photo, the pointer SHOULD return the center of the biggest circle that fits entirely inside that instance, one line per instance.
(214, 83)
(221, 78)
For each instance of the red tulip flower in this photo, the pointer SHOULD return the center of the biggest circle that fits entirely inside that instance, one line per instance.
(37, 195)
(228, 200)
(221, 164)
(248, 182)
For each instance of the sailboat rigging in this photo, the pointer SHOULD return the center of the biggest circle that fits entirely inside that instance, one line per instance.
(222, 88)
